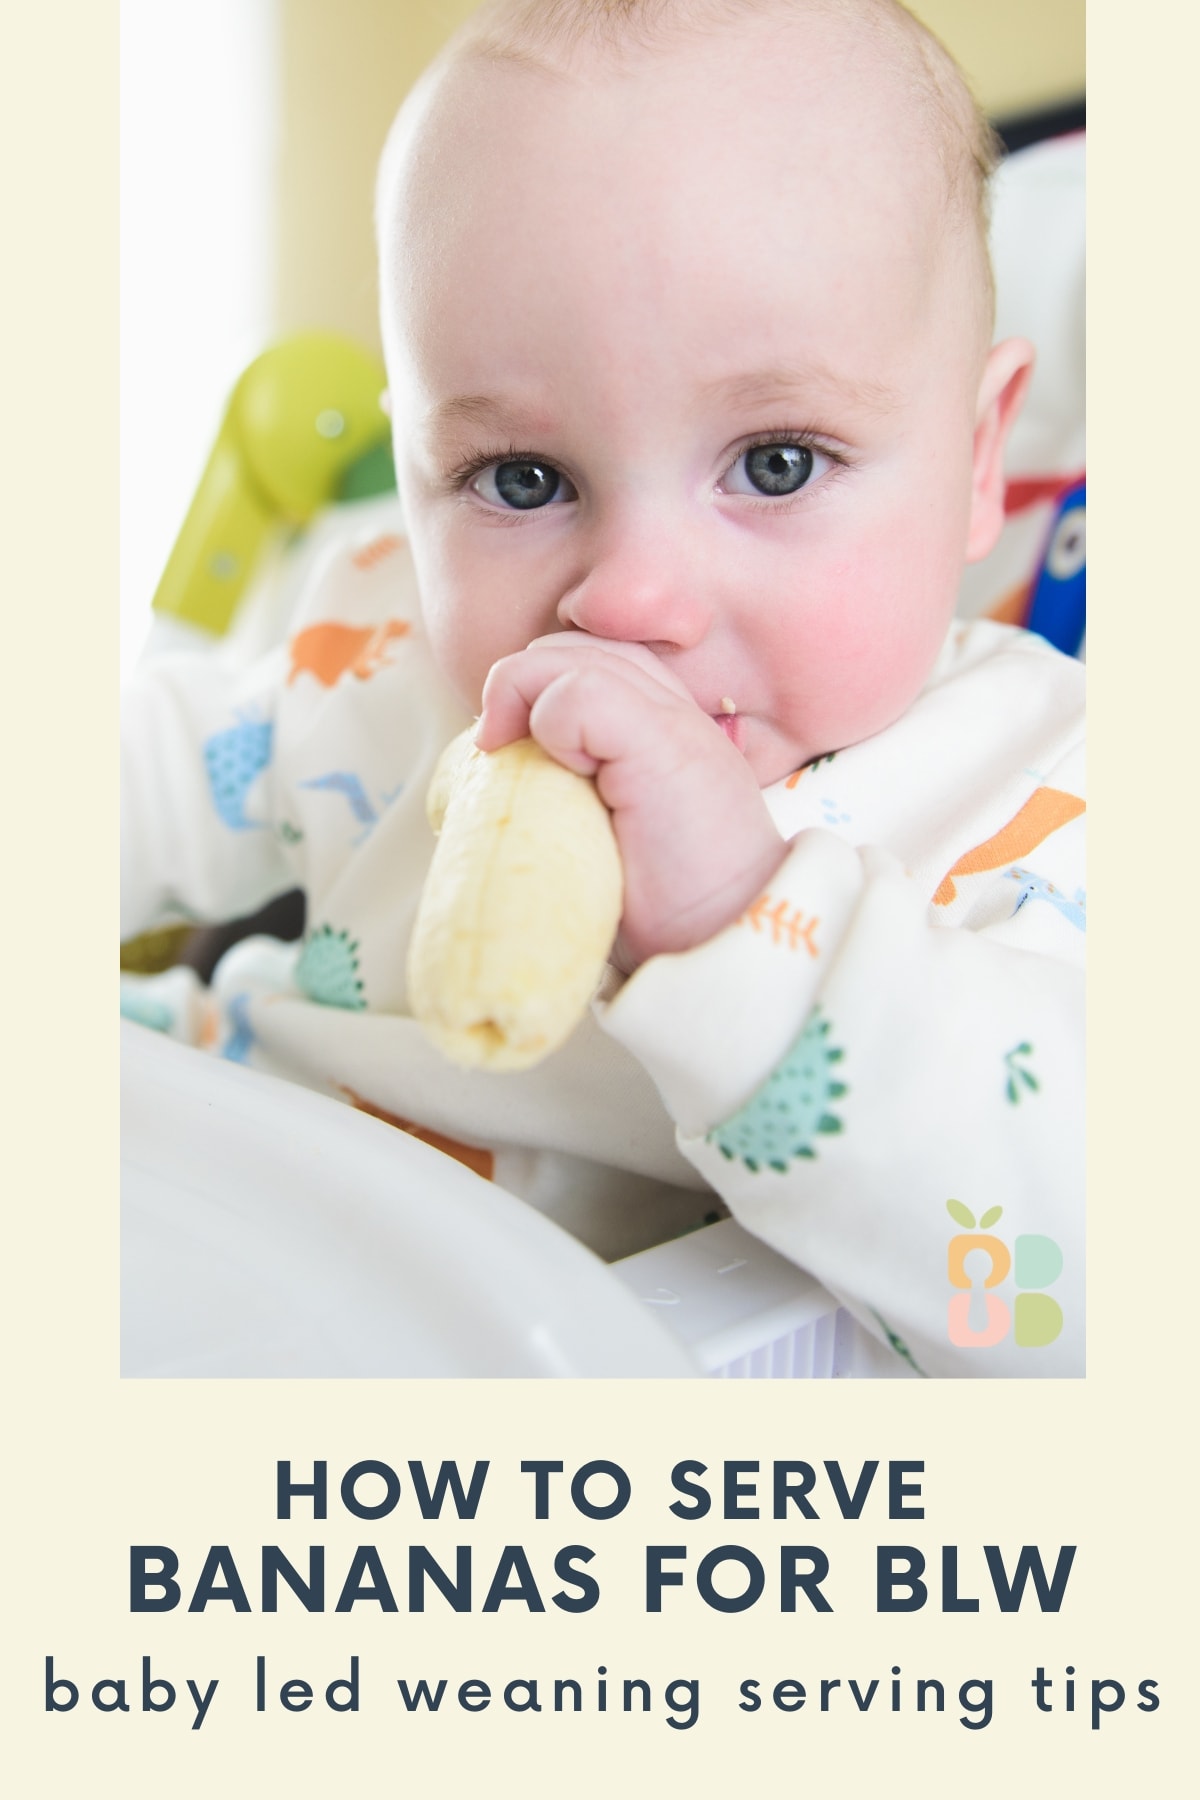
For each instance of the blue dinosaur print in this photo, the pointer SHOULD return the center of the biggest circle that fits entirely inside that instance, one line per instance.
(349, 785)
(1036, 887)
(238, 1044)
(233, 761)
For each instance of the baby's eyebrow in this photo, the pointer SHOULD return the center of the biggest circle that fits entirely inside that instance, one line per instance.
(811, 383)
(480, 409)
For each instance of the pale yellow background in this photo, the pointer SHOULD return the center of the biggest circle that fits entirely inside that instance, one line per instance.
(92, 1465)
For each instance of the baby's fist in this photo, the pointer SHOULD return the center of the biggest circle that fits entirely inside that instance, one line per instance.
(697, 842)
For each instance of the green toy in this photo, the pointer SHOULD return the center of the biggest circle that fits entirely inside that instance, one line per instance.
(304, 426)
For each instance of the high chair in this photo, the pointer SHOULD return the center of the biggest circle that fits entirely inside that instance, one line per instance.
(271, 1231)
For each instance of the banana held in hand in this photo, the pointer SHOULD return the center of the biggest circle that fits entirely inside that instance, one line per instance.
(520, 907)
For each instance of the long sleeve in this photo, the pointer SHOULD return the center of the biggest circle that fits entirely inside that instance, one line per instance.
(242, 767)
(198, 833)
(880, 1065)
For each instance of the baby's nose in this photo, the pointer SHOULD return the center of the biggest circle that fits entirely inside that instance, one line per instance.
(639, 588)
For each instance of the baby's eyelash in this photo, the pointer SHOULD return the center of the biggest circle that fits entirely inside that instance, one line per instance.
(806, 438)
(463, 473)
(835, 456)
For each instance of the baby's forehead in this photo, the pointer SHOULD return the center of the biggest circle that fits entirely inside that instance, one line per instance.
(806, 98)
(833, 129)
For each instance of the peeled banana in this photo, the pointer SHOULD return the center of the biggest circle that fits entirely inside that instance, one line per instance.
(520, 907)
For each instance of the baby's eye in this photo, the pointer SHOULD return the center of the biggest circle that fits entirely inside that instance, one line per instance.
(772, 469)
(522, 484)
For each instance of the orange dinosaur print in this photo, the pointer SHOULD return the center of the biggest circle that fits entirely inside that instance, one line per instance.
(1044, 811)
(331, 650)
(376, 551)
(804, 768)
(481, 1162)
(789, 929)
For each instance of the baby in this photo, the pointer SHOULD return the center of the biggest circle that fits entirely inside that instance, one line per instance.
(687, 316)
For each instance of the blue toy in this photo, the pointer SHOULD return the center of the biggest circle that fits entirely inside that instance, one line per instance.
(1058, 609)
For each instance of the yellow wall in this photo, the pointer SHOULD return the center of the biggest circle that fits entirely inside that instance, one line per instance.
(347, 65)
(1018, 54)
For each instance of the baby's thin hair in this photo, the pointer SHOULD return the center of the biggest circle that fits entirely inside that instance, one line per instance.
(549, 34)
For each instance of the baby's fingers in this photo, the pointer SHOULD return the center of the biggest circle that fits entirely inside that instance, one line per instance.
(555, 724)
(516, 684)
(591, 716)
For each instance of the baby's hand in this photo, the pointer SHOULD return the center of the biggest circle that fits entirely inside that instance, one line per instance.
(697, 842)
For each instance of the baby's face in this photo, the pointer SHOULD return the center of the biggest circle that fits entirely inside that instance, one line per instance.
(681, 357)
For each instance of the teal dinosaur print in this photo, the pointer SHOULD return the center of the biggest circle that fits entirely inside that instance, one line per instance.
(328, 969)
(1019, 1079)
(779, 1123)
(144, 1011)
(898, 1345)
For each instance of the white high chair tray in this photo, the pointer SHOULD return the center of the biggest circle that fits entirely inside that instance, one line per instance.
(270, 1231)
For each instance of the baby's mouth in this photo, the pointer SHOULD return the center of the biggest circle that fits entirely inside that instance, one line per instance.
(734, 727)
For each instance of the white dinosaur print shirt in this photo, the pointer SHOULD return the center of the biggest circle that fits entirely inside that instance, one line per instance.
(878, 1068)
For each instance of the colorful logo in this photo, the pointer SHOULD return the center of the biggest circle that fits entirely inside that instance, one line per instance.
(977, 1317)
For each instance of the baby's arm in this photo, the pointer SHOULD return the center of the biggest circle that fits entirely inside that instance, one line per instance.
(198, 838)
(840, 1066)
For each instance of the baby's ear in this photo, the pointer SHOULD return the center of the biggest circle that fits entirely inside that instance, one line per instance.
(1005, 378)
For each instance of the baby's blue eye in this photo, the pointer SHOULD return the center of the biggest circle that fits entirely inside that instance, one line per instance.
(774, 470)
(777, 469)
(523, 485)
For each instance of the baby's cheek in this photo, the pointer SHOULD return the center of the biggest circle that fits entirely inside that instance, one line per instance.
(872, 650)
(478, 612)
(457, 650)
(463, 621)
(908, 652)
(458, 607)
